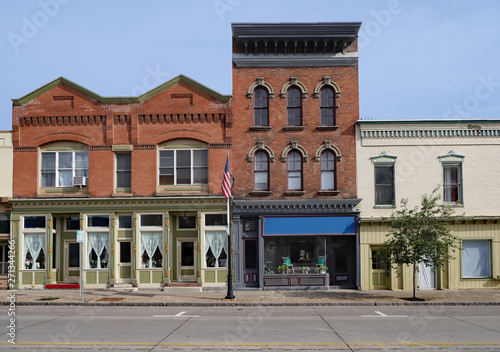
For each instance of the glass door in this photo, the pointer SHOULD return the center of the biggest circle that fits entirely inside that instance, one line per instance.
(186, 260)
(125, 262)
(72, 261)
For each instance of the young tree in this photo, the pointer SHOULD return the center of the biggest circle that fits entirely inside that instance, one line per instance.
(420, 235)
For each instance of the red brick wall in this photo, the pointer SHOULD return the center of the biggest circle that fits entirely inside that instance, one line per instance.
(311, 138)
(65, 114)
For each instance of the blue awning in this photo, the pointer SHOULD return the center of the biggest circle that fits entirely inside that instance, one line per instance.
(309, 225)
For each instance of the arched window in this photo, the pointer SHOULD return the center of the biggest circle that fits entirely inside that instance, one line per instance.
(294, 106)
(328, 170)
(261, 107)
(261, 171)
(327, 106)
(294, 171)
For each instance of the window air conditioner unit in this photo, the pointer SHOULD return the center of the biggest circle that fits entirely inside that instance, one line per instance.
(79, 181)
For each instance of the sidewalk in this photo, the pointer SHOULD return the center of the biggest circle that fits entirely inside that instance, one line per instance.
(151, 297)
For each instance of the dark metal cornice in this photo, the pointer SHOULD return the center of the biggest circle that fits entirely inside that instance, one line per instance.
(279, 207)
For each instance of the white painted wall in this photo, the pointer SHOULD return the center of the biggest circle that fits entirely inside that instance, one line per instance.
(418, 169)
(6, 162)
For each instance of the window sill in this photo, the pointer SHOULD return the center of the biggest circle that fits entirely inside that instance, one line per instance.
(294, 128)
(260, 193)
(451, 204)
(388, 206)
(260, 128)
(328, 193)
(327, 128)
(122, 193)
(295, 193)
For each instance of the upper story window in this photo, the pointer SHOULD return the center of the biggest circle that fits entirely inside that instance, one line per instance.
(261, 107)
(294, 106)
(452, 177)
(58, 168)
(123, 170)
(385, 194)
(261, 171)
(184, 167)
(384, 184)
(327, 106)
(328, 180)
(294, 171)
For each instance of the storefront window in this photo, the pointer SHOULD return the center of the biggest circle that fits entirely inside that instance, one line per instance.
(151, 249)
(34, 255)
(98, 243)
(216, 249)
(303, 251)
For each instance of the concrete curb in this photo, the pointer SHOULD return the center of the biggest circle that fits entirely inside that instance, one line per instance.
(249, 304)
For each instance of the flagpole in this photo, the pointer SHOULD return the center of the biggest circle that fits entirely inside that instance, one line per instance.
(230, 294)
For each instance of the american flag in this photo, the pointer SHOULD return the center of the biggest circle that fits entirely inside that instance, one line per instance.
(226, 180)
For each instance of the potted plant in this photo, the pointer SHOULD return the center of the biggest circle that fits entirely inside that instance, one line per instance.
(268, 271)
(305, 269)
(321, 269)
(282, 268)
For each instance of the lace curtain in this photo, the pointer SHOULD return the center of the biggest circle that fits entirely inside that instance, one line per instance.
(33, 244)
(149, 242)
(216, 241)
(98, 241)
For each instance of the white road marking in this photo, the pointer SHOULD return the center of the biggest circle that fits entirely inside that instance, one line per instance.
(178, 315)
(382, 315)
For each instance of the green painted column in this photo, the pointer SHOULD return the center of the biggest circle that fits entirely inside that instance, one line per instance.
(83, 251)
(112, 245)
(198, 249)
(50, 248)
(14, 218)
(166, 254)
(135, 249)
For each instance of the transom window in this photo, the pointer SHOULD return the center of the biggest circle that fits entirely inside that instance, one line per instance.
(294, 170)
(328, 170)
(59, 168)
(294, 106)
(184, 167)
(261, 107)
(261, 171)
(327, 106)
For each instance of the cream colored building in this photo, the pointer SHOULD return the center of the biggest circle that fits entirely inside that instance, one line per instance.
(406, 159)
(5, 195)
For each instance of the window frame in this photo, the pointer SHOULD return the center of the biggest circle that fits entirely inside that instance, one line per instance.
(294, 163)
(34, 231)
(490, 259)
(127, 171)
(458, 184)
(291, 106)
(161, 245)
(327, 107)
(176, 167)
(392, 186)
(258, 170)
(258, 107)
(57, 169)
(212, 228)
(333, 170)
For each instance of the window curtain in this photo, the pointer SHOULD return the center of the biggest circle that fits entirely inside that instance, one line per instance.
(476, 259)
(149, 242)
(33, 243)
(98, 241)
(217, 241)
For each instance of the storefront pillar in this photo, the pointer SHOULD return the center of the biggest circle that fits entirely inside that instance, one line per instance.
(50, 248)
(134, 249)
(166, 254)
(112, 257)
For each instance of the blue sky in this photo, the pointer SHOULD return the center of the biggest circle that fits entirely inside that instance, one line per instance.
(418, 59)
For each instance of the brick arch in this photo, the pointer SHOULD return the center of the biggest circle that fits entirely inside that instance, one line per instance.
(64, 136)
(181, 134)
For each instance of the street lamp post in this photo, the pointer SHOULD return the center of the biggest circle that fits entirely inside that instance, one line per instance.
(230, 294)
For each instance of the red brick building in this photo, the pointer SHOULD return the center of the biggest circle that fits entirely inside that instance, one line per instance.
(139, 175)
(295, 105)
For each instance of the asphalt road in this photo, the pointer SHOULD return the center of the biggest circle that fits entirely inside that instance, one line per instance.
(60, 328)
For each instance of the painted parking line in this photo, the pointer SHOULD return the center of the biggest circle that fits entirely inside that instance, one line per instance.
(382, 315)
(178, 315)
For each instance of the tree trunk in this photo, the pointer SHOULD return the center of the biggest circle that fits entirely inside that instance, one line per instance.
(414, 279)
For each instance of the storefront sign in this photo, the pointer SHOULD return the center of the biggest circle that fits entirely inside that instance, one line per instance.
(309, 225)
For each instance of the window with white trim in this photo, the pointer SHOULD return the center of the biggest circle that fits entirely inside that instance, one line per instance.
(98, 241)
(34, 230)
(294, 106)
(183, 167)
(294, 171)
(215, 226)
(261, 107)
(59, 167)
(328, 179)
(261, 171)
(327, 106)
(151, 240)
(476, 259)
(123, 170)
(452, 183)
